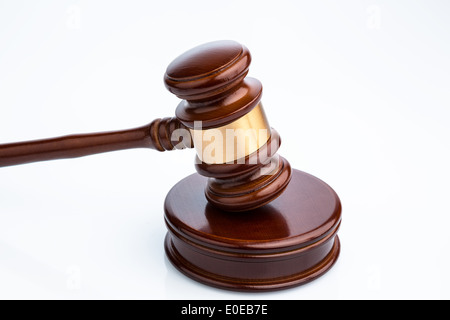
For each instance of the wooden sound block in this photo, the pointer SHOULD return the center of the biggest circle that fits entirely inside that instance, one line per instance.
(286, 243)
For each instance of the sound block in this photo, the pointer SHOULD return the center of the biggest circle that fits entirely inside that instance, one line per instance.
(286, 243)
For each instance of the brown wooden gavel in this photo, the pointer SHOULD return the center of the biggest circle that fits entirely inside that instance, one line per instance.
(211, 80)
(288, 242)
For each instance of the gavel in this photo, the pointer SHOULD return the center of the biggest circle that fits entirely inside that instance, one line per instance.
(246, 220)
(217, 99)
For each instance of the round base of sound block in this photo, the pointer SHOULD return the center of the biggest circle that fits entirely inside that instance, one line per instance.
(288, 242)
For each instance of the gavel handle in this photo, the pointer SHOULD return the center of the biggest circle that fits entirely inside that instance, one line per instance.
(161, 135)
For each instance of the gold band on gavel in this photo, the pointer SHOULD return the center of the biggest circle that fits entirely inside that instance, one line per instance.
(234, 141)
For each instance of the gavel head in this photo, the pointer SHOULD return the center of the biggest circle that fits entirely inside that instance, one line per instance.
(236, 147)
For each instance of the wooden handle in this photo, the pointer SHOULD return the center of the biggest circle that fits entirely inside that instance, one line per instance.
(160, 134)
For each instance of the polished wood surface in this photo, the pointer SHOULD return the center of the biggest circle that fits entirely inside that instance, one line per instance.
(157, 135)
(286, 243)
(207, 70)
(250, 191)
(210, 80)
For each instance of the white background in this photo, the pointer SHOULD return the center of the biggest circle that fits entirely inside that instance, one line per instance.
(359, 91)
